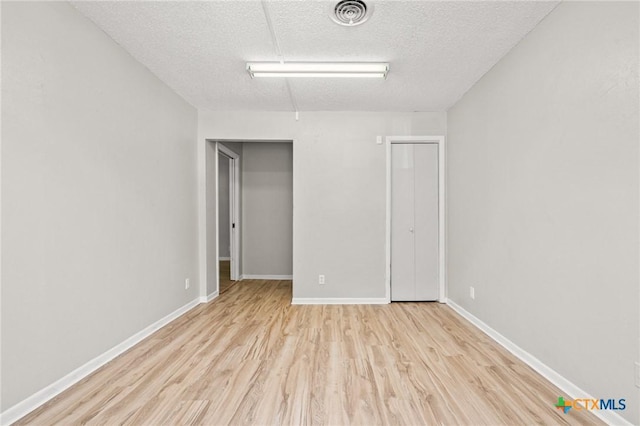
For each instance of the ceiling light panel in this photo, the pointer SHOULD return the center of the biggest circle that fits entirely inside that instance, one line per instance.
(318, 69)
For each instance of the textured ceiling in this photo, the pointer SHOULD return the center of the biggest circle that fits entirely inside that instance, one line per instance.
(437, 49)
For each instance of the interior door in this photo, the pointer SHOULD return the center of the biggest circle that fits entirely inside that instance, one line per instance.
(414, 222)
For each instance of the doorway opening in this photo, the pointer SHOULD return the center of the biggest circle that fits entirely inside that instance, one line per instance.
(249, 213)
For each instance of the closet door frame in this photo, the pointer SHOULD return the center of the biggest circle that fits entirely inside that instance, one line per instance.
(440, 141)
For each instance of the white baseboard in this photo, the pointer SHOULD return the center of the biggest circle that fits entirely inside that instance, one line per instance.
(208, 298)
(224, 258)
(266, 277)
(26, 406)
(545, 371)
(339, 301)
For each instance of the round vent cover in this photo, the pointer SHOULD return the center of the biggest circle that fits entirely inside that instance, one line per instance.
(351, 12)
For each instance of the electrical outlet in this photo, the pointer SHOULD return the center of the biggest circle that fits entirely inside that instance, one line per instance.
(638, 374)
(321, 279)
(187, 284)
(472, 292)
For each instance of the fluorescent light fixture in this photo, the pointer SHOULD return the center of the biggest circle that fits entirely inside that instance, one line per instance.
(318, 69)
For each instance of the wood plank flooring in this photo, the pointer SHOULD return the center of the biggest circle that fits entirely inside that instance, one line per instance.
(249, 357)
(225, 276)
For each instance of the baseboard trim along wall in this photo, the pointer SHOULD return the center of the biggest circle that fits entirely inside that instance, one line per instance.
(266, 277)
(339, 301)
(209, 298)
(545, 371)
(26, 406)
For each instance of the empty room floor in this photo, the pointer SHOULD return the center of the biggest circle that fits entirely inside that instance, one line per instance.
(250, 357)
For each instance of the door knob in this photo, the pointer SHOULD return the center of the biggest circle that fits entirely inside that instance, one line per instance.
(411, 230)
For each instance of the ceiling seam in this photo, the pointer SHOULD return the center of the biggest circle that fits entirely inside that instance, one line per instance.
(291, 97)
(279, 53)
(274, 39)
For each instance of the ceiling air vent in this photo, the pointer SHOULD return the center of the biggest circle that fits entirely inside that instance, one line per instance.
(351, 12)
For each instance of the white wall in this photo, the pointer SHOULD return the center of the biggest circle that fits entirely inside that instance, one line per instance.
(267, 214)
(223, 212)
(98, 196)
(339, 190)
(543, 197)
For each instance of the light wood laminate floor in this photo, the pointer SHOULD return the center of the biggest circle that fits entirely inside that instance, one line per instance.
(225, 276)
(249, 357)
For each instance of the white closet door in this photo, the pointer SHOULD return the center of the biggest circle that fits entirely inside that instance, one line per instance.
(414, 222)
(426, 220)
(402, 211)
